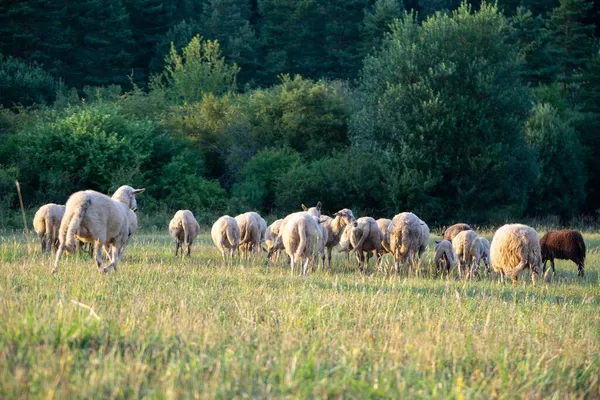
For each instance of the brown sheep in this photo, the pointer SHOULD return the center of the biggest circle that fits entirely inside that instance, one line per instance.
(566, 244)
(451, 232)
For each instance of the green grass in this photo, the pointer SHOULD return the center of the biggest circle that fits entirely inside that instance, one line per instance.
(166, 328)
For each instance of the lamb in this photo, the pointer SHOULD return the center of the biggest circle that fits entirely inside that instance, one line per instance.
(364, 237)
(444, 256)
(183, 228)
(250, 232)
(564, 244)
(383, 224)
(451, 232)
(480, 251)
(93, 216)
(404, 235)
(514, 248)
(225, 234)
(46, 224)
(462, 246)
(299, 236)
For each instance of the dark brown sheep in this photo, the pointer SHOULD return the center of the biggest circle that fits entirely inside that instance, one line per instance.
(566, 244)
(451, 232)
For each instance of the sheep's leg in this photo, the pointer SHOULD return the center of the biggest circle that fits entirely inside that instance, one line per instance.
(581, 269)
(43, 242)
(176, 248)
(189, 249)
(59, 252)
(553, 267)
(360, 257)
(329, 257)
(515, 280)
(114, 260)
(305, 265)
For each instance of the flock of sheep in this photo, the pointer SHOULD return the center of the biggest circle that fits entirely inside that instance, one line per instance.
(109, 223)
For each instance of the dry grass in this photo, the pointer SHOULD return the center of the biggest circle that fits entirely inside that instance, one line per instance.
(166, 328)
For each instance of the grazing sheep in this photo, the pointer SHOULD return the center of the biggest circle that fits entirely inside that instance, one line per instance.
(324, 232)
(462, 245)
(451, 232)
(383, 224)
(183, 228)
(480, 251)
(444, 256)
(364, 237)
(404, 235)
(299, 236)
(251, 232)
(93, 216)
(225, 234)
(46, 224)
(566, 244)
(514, 248)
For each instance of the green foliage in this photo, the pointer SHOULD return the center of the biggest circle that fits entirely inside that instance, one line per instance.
(560, 185)
(376, 22)
(199, 70)
(255, 188)
(25, 84)
(178, 36)
(444, 101)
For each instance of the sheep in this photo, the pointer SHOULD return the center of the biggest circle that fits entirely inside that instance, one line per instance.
(566, 244)
(404, 235)
(133, 227)
(183, 228)
(46, 223)
(299, 236)
(451, 232)
(324, 233)
(225, 234)
(364, 237)
(444, 256)
(514, 248)
(424, 237)
(272, 233)
(462, 246)
(250, 232)
(480, 251)
(383, 224)
(94, 216)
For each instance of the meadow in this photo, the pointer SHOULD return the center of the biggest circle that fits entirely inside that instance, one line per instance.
(163, 327)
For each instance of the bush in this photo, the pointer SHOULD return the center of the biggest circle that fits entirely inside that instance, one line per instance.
(24, 84)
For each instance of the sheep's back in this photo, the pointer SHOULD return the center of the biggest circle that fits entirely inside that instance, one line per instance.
(566, 244)
(512, 244)
(453, 230)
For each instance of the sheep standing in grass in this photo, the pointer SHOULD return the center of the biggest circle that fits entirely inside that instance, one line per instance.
(514, 248)
(225, 234)
(444, 256)
(364, 237)
(564, 244)
(462, 245)
(324, 232)
(271, 235)
(93, 216)
(383, 224)
(405, 237)
(451, 232)
(480, 251)
(46, 224)
(299, 236)
(183, 228)
(251, 232)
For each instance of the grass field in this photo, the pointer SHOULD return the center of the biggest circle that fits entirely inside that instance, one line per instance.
(165, 328)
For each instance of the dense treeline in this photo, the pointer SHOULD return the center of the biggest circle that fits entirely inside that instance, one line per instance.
(450, 110)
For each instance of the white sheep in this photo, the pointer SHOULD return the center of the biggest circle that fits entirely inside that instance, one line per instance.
(251, 232)
(225, 234)
(183, 228)
(364, 237)
(404, 235)
(46, 223)
(271, 236)
(299, 236)
(444, 256)
(323, 230)
(480, 251)
(94, 216)
(462, 246)
(514, 248)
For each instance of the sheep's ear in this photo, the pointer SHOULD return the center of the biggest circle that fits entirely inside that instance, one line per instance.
(138, 191)
(319, 206)
(304, 207)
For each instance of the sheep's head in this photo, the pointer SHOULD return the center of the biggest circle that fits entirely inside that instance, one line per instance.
(314, 211)
(126, 195)
(346, 216)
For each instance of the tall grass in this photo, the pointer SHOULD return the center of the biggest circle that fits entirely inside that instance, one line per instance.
(163, 327)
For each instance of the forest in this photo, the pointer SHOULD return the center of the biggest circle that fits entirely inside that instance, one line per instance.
(475, 110)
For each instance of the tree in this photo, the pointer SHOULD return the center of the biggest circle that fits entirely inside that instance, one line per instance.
(376, 23)
(199, 70)
(25, 84)
(571, 39)
(443, 104)
(559, 188)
